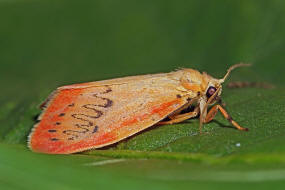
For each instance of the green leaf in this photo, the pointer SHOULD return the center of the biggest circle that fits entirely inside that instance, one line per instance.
(47, 44)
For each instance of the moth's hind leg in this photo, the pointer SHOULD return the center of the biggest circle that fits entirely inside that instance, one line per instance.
(180, 117)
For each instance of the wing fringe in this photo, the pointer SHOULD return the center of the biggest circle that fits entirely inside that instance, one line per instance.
(43, 107)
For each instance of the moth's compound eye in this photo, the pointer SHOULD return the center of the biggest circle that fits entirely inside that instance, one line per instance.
(211, 90)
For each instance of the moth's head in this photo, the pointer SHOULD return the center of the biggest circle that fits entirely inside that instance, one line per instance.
(208, 88)
(214, 87)
(213, 90)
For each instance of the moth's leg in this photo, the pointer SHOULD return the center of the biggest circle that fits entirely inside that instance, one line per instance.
(212, 113)
(180, 118)
(177, 112)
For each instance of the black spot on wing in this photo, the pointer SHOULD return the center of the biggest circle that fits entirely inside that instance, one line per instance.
(178, 96)
(95, 129)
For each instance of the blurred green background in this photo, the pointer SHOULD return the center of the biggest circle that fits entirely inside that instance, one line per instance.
(46, 44)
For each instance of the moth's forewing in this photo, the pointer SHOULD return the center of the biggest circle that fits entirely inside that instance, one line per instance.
(93, 115)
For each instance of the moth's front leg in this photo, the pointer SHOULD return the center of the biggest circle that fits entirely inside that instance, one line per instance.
(214, 110)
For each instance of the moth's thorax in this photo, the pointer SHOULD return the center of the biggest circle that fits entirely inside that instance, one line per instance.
(198, 82)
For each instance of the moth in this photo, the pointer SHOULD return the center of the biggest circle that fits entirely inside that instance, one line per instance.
(91, 115)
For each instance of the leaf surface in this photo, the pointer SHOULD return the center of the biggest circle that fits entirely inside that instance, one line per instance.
(48, 44)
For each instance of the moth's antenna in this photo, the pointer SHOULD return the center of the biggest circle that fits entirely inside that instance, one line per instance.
(232, 68)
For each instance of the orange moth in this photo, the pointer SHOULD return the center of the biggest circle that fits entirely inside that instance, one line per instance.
(96, 114)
